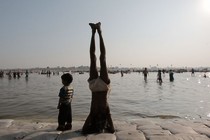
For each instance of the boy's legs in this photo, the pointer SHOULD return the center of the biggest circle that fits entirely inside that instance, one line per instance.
(61, 118)
(103, 71)
(93, 68)
(69, 118)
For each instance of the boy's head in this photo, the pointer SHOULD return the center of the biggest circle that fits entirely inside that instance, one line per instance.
(66, 79)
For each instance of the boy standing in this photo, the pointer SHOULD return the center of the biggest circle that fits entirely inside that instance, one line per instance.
(64, 104)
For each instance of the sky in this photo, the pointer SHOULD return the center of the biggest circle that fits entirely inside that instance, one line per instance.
(137, 33)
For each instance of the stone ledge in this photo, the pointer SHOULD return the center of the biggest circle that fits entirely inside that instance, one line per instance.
(142, 129)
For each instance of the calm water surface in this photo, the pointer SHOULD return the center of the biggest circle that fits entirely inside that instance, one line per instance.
(130, 98)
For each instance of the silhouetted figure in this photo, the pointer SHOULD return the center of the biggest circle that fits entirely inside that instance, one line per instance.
(192, 72)
(163, 72)
(27, 73)
(48, 73)
(1, 74)
(14, 74)
(145, 73)
(18, 74)
(159, 77)
(64, 104)
(204, 75)
(171, 76)
(99, 119)
(121, 73)
(9, 74)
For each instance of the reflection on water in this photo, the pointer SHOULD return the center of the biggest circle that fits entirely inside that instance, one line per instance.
(131, 97)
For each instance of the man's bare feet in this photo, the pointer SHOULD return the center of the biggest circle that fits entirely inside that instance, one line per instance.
(98, 27)
(93, 27)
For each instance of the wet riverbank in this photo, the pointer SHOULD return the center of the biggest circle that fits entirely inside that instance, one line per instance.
(139, 129)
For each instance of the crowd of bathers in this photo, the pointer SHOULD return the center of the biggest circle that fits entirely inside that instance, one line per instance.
(20, 73)
(1, 73)
(13, 74)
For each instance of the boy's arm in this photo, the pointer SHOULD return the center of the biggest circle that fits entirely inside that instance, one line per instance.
(71, 94)
(59, 103)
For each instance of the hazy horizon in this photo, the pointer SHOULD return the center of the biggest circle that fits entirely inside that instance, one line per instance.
(109, 67)
(137, 33)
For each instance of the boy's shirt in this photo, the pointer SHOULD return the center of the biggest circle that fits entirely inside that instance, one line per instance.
(66, 94)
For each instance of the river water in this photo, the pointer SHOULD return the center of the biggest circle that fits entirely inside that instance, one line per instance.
(130, 98)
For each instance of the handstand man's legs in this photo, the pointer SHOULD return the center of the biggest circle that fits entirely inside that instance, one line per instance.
(93, 68)
(103, 71)
(104, 75)
(93, 75)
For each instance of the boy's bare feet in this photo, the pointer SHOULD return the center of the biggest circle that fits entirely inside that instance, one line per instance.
(68, 126)
(60, 128)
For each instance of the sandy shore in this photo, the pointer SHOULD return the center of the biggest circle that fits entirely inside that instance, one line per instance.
(141, 129)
